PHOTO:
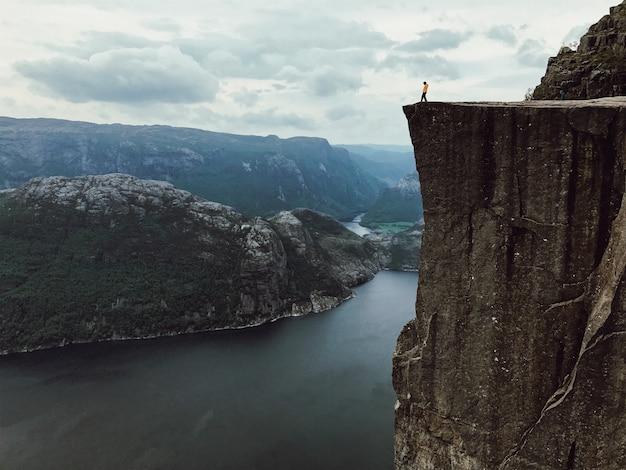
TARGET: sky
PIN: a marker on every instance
(337, 69)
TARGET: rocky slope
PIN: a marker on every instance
(516, 358)
(402, 202)
(398, 251)
(597, 68)
(259, 176)
(112, 256)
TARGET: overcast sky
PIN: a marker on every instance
(339, 69)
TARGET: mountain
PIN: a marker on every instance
(596, 68)
(396, 219)
(402, 203)
(388, 162)
(102, 257)
(256, 175)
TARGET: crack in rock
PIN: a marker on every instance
(600, 291)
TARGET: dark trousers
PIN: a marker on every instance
(424, 97)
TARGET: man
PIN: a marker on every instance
(424, 90)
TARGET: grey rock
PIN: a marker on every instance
(398, 251)
(597, 68)
(516, 356)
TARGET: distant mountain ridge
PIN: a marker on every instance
(388, 162)
(256, 175)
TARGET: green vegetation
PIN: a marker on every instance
(256, 183)
(397, 208)
(393, 227)
(63, 280)
(68, 277)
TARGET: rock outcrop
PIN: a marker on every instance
(112, 256)
(516, 358)
(398, 251)
(597, 68)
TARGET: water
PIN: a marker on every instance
(311, 392)
(356, 227)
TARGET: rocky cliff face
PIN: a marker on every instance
(597, 68)
(112, 256)
(517, 355)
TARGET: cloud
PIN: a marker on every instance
(278, 45)
(291, 50)
(421, 65)
(245, 97)
(533, 53)
(344, 111)
(329, 81)
(504, 33)
(290, 73)
(124, 76)
(572, 38)
(435, 39)
(164, 24)
(89, 43)
(283, 32)
(273, 118)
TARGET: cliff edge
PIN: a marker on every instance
(517, 355)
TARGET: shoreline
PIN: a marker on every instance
(64, 342)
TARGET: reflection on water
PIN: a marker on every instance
(356, 227)
(311, 392)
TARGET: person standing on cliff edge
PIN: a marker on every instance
(424, 91)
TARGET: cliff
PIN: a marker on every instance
(108, 257)
(517, 355)
(597, 67)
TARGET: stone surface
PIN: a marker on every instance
(597, 68)
(398, 251)
(517, 355)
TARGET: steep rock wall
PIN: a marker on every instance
(596, 68)
(517, 355)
